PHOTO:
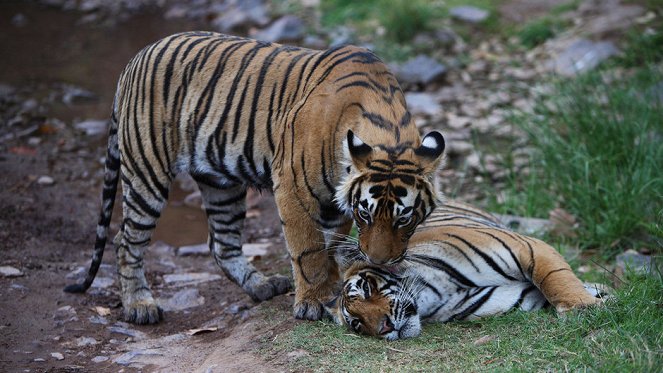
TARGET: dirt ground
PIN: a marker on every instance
(47, 230)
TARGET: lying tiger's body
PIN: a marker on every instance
(318, 128)
(461, 264)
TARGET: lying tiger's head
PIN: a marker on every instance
(377, 303)
(389, 190)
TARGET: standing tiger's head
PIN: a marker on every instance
(389, 191)
(377, 303)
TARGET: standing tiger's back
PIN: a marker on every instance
(236, 112)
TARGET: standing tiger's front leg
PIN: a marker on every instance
(314, 269)
(226, 209)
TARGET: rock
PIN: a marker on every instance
(634, 261)
(236, 308)
(191, 250)
(64, 315)
(57, 356)
(582, 55)
(73, 95)
(457, 122)
(422, 103)
(176, 11)
(127, 358)
(102, 282)
(161, 248)
(243, 15)
(186, 279)
(255, 249)
(19, 20)
(314, 42)
(39, 360)
(483, 340)
(286, 28)
(341, 35)
(297, 354)
(528, 226)
(420, 70)
(459, 148)
(93, 127)
(469, 14)
(45, 180)
(98, 320)
(99, 359)
(86, 341)
(123, 328)
(612, 18)
(182, 300)
(7, 271)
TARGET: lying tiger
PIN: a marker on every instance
(461, 264)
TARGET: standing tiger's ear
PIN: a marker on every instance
(358, 150)
(431, 149)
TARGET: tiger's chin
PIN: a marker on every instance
(408, 328)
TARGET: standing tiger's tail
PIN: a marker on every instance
(111, 177)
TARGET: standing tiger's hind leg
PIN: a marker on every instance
(226, 210)
(141, 205)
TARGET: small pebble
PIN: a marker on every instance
(99, 359)
(8, 271)
(45, 180)
(57, 356)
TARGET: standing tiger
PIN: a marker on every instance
(461, 265)
(327, 131)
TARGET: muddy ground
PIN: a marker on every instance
(47, 229)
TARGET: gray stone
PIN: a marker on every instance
(8, 271)
(123, 328)
(634, 261)
(102, 282)
(236, 308)
(57, 356)
(86, 341)
(341, 35)
(39, 360)
(19, 20)
(459, 148)
(422, 103)
(286, 28)
(182, 300)
(99, 359)
(420, 70)
(244, 14)
(191, 250)
(73, 95)
(64, 315)
(528, 226)
(469, 14)
(255, 249)
(186, 279)
(128, 357)
(98, 320)
(582, 55)
(45, 180)
(93, 127)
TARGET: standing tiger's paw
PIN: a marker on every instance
(144, 311)
(263, 288)
(308, 310)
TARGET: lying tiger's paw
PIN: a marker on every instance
(142, 312)
(264, 288)
(308, 310)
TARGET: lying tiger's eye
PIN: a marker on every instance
(364, 215)
(404, 220)
(354, 324)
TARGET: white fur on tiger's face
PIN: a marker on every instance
(377, 303)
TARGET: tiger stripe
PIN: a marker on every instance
(237, 113)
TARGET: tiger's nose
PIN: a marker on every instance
(387, 326)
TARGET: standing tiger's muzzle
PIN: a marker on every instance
(381, 247)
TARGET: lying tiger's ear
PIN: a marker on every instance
(331, 310)
(430, 151)
(359, 151)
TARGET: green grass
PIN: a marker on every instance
(538, 31)
(622, 336)
(599, 156)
